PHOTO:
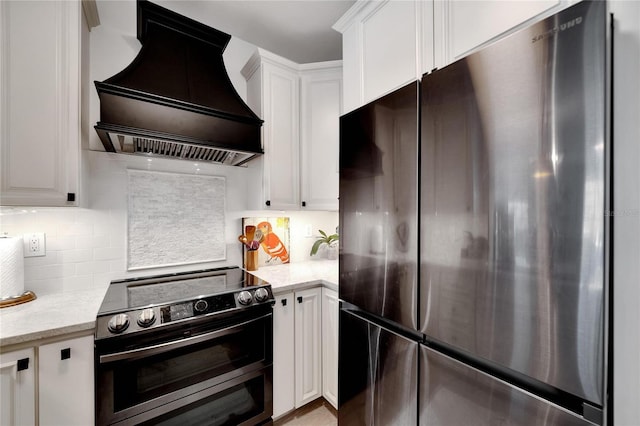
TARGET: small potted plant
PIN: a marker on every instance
(330, 240)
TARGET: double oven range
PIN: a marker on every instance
(190, 348)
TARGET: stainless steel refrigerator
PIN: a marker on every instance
(474, 237)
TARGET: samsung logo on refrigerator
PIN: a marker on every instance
(555, 30)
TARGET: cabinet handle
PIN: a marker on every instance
(268, 202)
(65, 354)
(299, 299)
(23, 364)
(71, 196)
(284, 302)
(304, 204)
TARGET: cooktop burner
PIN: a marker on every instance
(138, 304)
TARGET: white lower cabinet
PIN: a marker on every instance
(18, 383)
(308, 332)
(305, 348)
(283, 368)
(65, 382)
(330, 308)
(65, 386)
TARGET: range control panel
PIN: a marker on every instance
(178, 311)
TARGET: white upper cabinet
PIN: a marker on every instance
(273, 94)
(320, 102)
(383, 48)
(388, 53)
(300, 106)
(386, 44)
(40, 70)
(463, 26)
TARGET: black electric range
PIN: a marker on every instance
(146, 303)
(188, 348)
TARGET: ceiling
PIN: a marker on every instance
(299, 30)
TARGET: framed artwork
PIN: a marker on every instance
(272, 237)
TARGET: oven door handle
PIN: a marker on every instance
(168, 346)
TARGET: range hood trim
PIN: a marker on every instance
(148, 12)
(112, 89)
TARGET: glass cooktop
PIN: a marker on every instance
(123, 295)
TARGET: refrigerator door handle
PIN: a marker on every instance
(384, 324)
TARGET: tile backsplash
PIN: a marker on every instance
(87, 247)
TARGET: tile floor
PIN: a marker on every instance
(316, 413)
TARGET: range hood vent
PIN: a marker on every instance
(184, 151)
(175, 99)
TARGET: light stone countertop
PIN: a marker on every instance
(50, 315)
(300, 275)
(54, 315)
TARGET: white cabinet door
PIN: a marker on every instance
(461, 26)
(282, 139)
(307, 345)
(330, 346)
(40, 45)
(66, 385)
(283, 355)
(302, 348)
(321, 96)
(273, 94)
(17, 388)
(382, 44)
(389, 47)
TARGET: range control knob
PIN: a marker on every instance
(261, 294)
(118, 323)
(201, 305)
(244, 298)
(146, 317)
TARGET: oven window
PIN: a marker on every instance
(230, 407)
(143, 379)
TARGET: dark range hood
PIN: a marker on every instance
(175, 99)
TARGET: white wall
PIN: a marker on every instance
(86, 247)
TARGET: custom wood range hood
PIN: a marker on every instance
(175, 99)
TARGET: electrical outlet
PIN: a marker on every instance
(308, 231)
(34, 244)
